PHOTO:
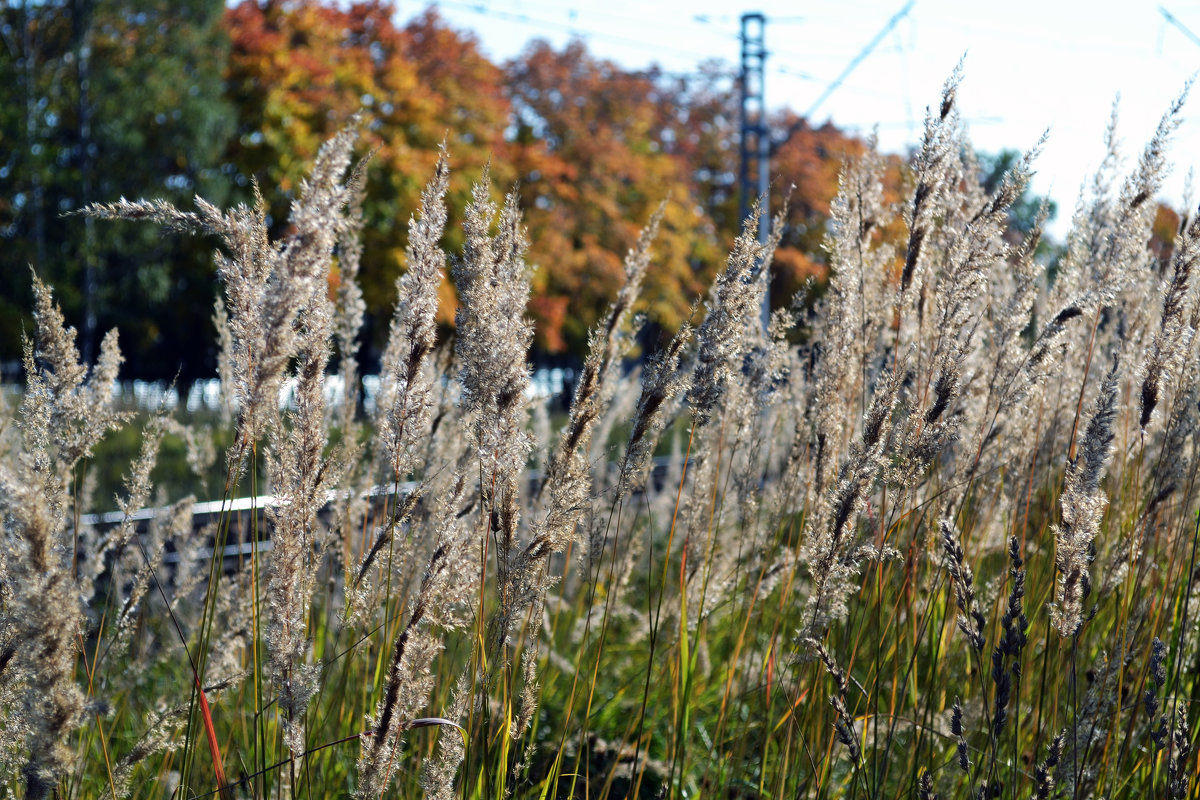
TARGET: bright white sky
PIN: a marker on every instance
(1031, 65)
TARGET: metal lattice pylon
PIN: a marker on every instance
(755, 167)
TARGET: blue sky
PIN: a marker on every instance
(1030, 66)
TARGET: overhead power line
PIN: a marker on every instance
(1171, 18)
(755, 139)
(858, 59)
(572, 28)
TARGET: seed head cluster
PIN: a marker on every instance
(437, 580)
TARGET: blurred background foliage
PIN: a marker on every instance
(112, 98)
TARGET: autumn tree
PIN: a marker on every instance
(169, 100)
(810, 160)
(701, 131)
(301, 70)
(590, 148)
(1168, 224)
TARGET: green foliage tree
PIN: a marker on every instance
(111, 98)
(1024, 212)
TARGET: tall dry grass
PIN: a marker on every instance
(935, 536)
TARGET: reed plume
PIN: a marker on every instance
(1083, 504)
(267, 283)
(66, 411)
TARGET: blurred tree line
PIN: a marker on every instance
(173, 98)
(103, 99)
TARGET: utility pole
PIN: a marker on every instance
(755, 167)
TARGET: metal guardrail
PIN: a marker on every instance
(209, 508)
(207, 511)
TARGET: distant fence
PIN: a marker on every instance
(248, 531)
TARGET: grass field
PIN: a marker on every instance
(934, 536)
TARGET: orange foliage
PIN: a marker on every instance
(593, 169)
(594, 149)
(300, 70)
(1163, 234)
